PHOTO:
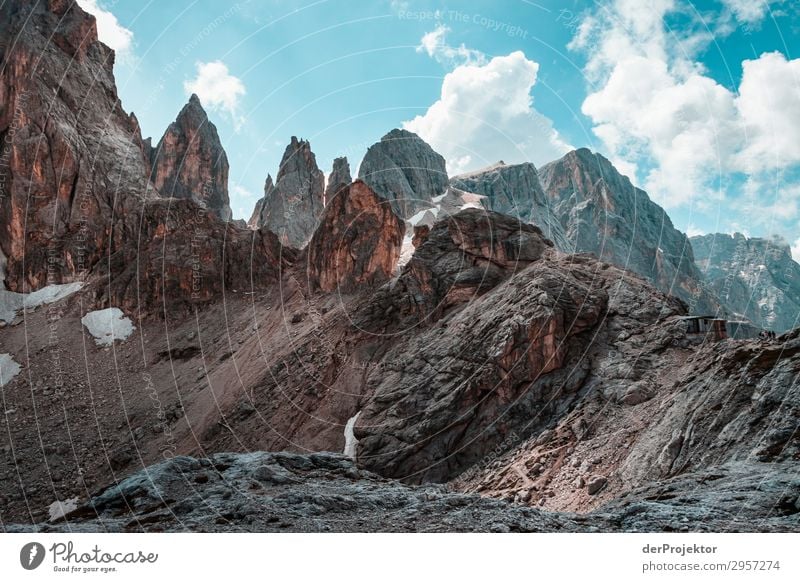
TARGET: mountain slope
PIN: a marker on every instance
(755, 278)
(603, 213)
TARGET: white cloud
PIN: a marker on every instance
(692, 230)
(485, 113)
(435, 45)
(241, 192)
(769, 105)
(749, 11)
(657, 109)
(109, 30)
(217, 88)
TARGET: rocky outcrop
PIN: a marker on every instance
(293, 205)
(515, 190)
(755, 278)
(70, 158)
(405, 170)
(723, 412)
(171, 257)
(502, 327)
(324, 492)
(601, 212)
(189, 161)
(338, 180)
(357, 244)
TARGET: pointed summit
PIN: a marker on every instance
(190, 162)
(404, 169)
(291, 208)
(604, 213)
(339, 179)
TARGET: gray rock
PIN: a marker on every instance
(292, 206)
(515, 190)
(405, 170)
(602, 213)
(755, 278)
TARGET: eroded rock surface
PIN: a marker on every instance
(293, 205)
(357, 244)
(405, 170)
(601, 212)
(756, 278)
(189, 161)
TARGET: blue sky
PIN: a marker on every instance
(699, 103)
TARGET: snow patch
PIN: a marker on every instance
(11, 302)
(417, 218)
(59, 509)
(350, 440)
(406, 252)
(107, 325)
(8, 369)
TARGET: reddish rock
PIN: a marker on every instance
(173, 255)
(71, 158)
(357, 243)
(189, 161)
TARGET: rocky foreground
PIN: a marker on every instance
(323, 492)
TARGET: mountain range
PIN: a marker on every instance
(504, 350)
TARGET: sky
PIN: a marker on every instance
(697, 102)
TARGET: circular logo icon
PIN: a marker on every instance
(31, 555)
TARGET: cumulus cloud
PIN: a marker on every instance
(657, 108)
(434, 43)
(485, 113)
(217, 88)
(109, 30)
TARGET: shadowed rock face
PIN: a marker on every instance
(170, 257)
(189, 161)
(292, 206)
(357, 244)
(71, 157)
(405, 170)
(515, 190)
(338, 180)
(755, 278)
(601, 212)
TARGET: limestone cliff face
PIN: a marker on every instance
(603, 213)
(515, 190)
(756, 278)
(293, 205)
(70, 156)
(338, 179)
(189, 161)
(357, 244)
(405, 170)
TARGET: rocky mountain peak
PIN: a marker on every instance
(292, 207)
(190, 162)
(603, 213)
(756, 278)
(73, 153)
(515, 190)
(338, 178)
(405, 170)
